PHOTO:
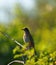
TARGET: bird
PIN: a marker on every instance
(27, 38)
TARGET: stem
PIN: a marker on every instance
(9, 37)
(17, 61)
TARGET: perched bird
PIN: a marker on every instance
(27, 38)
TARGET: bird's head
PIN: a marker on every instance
(26, 29)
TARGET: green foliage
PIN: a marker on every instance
(45, 58)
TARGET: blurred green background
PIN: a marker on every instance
(38, 15)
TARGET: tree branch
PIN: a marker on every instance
(17, 61)
(9, 37)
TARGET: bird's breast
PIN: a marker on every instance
(26, 38)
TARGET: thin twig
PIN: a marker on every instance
(17, 61)
(9, 37)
